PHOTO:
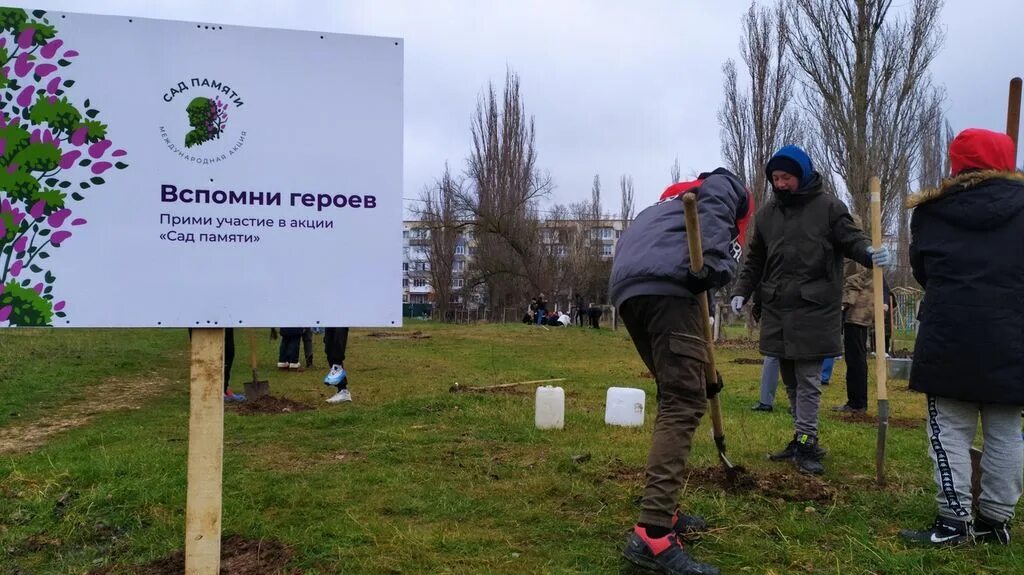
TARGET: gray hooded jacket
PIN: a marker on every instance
(652, 256)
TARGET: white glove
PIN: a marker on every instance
(881, 258)
(737, 303)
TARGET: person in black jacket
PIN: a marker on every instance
(656, 293)
(967, 251)
(795, 261)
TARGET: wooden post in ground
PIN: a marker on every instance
(881, 366)
(205, 453)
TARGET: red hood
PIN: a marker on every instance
(979, 149)
(741, 222)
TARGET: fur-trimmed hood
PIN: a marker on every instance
(975, 199)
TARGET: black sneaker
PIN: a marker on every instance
(688, 527)
(824, 382)
(762, 407)
(990, 531)
(944, 531)
(847, 409)
(808, 456)
(787, 454)
(664, 555)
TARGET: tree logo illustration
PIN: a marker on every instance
(207, 118)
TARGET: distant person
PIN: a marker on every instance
(858, 317)
(594, 313)
(307, 346)
(966, 252)
(335, 345)
(542, 309)
(564, 319)
(579, 312)
(288, 352)
(795, 260)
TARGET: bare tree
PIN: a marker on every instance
(758, 120)
(501, 200)
(627, 207)
(932, 168)
(675, 172)
(440, 216)
(865, 76)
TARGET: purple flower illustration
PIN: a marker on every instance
(62, 148)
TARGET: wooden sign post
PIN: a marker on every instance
(205, 453)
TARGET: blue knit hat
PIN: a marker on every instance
(792, 160)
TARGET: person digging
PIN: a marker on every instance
(795, 261)
(656, 294)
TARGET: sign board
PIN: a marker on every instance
(174, 174)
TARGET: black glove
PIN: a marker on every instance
(715, 388)
(699, 282)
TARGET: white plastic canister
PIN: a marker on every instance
(625, 407)
(550, 407)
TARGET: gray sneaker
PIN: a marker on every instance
(342, 396)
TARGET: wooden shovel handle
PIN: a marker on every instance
(693, 239)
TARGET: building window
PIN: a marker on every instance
(458, 266)
(606, 233)
(419, 282)
(606, 250)
(405, 266)
(405, 234)
(460, 250)
(457, 283)
(405, 282)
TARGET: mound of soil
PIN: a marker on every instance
(238, 556)
(748, 361)
(870, 419)
(398, 335)
(270, 405)
(773, 484)
(741, 343)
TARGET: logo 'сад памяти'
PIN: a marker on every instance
(203, 136)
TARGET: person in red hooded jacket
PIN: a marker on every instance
(967, 251)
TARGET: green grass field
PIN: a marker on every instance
(412, 479)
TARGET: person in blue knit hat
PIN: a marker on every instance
(795, 262)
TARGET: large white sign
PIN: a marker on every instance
(157, 173)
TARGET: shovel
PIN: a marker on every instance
(693, 238)
(256, 388)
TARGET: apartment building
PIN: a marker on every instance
(416, 288)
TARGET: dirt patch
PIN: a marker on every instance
(646, 374)
(112, 395)
(619, 470)
(744, 344)
(869, 419)
(748, 361)
(398, 335)
(238, 556)
(773, 484)
(270, 405)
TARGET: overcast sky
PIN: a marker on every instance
(615, 87)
